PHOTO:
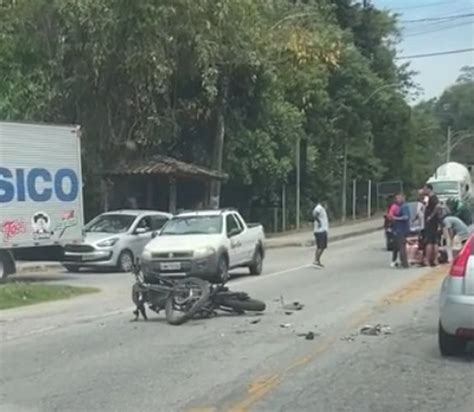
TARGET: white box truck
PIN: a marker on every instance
(40, 192)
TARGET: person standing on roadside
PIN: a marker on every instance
(321, 228)
(432, 223)
(400, 214)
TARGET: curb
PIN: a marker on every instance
(311, 242)
(37, 268)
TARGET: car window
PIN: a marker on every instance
(110, 223)
(145, 223)
(239, 221)
(193, 225)
(158, 221)
(232, 226)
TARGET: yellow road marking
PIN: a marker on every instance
(259, 388)
(416, 288)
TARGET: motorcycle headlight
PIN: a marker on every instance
(204, 252)
(108, 242)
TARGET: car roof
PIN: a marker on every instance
(137, 212)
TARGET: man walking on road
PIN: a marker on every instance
(321, 228)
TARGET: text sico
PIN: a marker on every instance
(38, 185)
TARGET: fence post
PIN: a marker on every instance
(354, 199)
(283, 208)
(369, 199)
(275, 219)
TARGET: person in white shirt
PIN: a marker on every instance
(321, 228)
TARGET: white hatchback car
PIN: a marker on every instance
(456, 323)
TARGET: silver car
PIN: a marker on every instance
(114, 240)
(456, 324)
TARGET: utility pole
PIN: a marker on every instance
(448, 151)
(298, 183)
(344, 184)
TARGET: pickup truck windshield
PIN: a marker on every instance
(193, 225)
(446, 188)
(110, 224)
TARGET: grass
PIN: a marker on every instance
(17, 294)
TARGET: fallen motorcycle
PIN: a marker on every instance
(185, 298)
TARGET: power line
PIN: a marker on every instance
(429, 30)
(451, 17)
(422, 6)
(419, 56)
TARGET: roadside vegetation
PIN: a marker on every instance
(231, 84)
(17, 294)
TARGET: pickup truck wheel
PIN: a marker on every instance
(256, 267)
(222, 275)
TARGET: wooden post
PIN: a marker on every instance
(173, 195)
(149, 194)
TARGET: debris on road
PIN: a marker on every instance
(255, 321)
(293, 306)
(289, 313)
(376, 330)
(349, 338)
(308, 335)
(285, 325)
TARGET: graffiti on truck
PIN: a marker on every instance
(68, 220)
(12, 228)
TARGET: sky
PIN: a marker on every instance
(438, 72)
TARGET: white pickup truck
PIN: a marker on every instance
(206, 244)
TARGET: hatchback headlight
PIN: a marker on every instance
(204, 252)
(108, 242)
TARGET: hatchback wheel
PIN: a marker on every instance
(72, 268)
(125, 261)
(450, 345)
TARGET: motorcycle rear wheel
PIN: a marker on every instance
(183, 303)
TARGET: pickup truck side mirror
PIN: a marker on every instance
(233, 232)
(155, 233)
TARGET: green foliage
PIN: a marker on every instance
(148, 76)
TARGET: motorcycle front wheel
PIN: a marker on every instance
(252, 305)
(186, 300)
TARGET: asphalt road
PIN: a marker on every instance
(86, 354)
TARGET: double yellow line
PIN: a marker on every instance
(259, 388)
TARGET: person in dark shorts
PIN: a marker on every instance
(432, 226)
(321, 227)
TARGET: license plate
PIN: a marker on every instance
(170, 266)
